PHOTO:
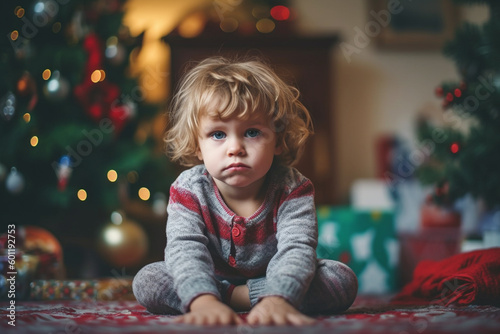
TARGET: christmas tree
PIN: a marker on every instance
(466, 154)
(73, 121)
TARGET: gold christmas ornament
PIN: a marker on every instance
(123, 242)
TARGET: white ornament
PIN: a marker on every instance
(160, 204)
(14, 182)
(8, 105)
(57, 88)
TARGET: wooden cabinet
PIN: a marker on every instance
(303, 62)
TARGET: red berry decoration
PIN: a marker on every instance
(454, 148)
(439, 91)
(457, 92)
(449, 97)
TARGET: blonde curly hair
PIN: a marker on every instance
(225, 88)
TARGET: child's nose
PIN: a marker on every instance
(235, 147)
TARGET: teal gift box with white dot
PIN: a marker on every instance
(364, 240)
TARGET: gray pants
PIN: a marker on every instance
(332, 289)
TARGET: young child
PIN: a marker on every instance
(241, 229)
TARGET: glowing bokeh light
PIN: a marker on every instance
(265, 26)
(112, 175)
(19, 11)
(14, 35)
(144, 193)
(34, 141)
(82, 195)
(97, 75)
(46, 74)
(193, 25)
(132, 176)
(56, 27)
(116, 218)
(280, 13)
(229, 25)
(113, 236)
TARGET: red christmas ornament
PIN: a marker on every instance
(439, 91)
(95, 52)
(280, 13)
(96, 98)
(96, 112)
(454, 148)
(119, 115)
(99, 99)
(449, 97)
(457, 92)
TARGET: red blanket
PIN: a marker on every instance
(467, 278)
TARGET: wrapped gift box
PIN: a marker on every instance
(364, 240)
(86, 290)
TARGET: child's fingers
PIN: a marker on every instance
(193, 319)
(255, 318)
(300, 319)
(178, 319)
(279, 320)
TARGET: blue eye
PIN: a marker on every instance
(252, 133)
(218, 135)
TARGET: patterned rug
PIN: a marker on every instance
(367, 315)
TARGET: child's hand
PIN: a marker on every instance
(277, 311)
(208, 310)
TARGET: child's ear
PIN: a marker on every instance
(198, 154)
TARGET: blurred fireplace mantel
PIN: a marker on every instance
(304, 62)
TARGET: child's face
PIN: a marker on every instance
(236, 152)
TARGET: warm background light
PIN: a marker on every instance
(193, 25)
(157, 18)
(97, 75)
(34, 141)
(229, 25)
(14, 35)
(144, 193)
(280, 13)
(112, 175)
(46, 74)
(56, 27)
(265, 26)
(82, 195)
(132, 177)
(19, 11)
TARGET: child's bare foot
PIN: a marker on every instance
(240, 299)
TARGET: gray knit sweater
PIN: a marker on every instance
(206, 241)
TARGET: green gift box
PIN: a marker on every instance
(364, 240)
